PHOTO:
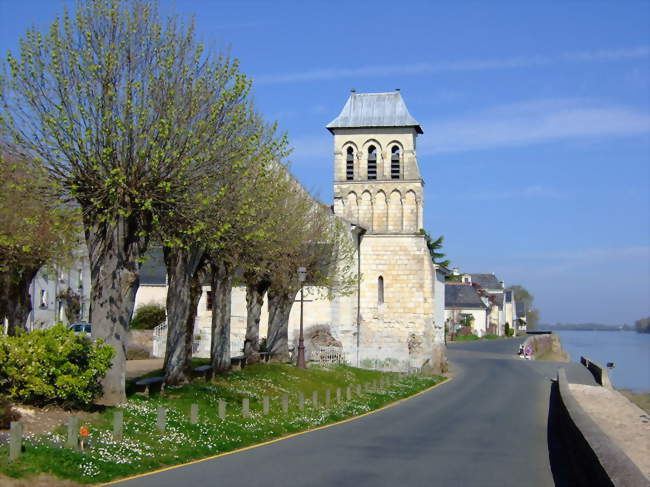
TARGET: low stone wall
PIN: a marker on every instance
(546, 343)
(140, 342)
(594, 457)
(598, 371)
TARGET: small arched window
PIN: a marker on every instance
(380, 290)
(395, 171)
(372, 162)
(349, 164)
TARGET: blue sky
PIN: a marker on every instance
(536, 118)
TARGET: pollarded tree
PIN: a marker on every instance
(225, 207)
(246, 248)
(36, 229)
(321, 243)
(120, 106)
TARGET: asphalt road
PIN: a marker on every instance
(486, 427)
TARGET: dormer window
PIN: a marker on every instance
(395, 172)
(372, 162)
(349, 164)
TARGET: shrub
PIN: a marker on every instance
(148, 316)
(7, 414)
(53, 366)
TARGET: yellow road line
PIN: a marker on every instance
(282, 438)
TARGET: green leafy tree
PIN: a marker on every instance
(522, 295)
(434, 247)
(36, 229)
(231, 200)
(322, 244)
(127, 112)
(251, 203)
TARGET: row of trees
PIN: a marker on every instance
(152, 140)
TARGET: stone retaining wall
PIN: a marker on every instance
(594, 457)
(598, 371)
(545, 343)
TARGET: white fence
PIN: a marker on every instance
(328, 355)
(159, 340)
(200, 342)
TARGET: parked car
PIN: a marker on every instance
(80, 328)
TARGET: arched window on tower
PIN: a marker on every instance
(349, 164)
(380, 290)
(395, 172)
(372, 162)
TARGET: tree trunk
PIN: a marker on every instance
(114, 251)
(15, 300)
(255, 290)
(221, 284)
(184, 276)
(280, 303)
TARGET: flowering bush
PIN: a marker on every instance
(52, 366)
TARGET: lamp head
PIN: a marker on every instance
(302, 274)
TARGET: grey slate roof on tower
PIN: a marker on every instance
(462, 296)
(487, 281)
(374, 110)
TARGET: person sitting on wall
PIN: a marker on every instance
(529, 353)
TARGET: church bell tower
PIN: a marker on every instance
(378, 187)
(377, 182)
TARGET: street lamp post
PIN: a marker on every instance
(302, 275)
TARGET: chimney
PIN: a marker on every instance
(353, 91)
(455, 271)
(502, 283)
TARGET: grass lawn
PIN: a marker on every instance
(143, 448)
(466, 338)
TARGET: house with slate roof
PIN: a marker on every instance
(462, 300)
(493, 288)
(509, 308)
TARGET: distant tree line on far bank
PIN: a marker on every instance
(640, 326)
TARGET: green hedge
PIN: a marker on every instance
(53, 366)
(148, 316)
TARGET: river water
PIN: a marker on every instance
(630, 352)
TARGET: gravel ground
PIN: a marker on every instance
(624, 422)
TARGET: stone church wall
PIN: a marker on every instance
(400, 331)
